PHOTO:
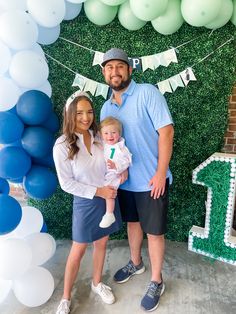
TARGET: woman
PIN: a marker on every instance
(80, 166)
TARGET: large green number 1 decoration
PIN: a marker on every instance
(216, 240)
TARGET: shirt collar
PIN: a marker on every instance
(129, 91)
(81, 137)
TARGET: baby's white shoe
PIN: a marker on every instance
(107, 220)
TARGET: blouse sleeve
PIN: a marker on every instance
(65, 174)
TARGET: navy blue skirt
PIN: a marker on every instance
(87, 214)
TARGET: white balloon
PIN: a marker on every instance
(35, 287)
(13, 5)
(31, 222)
(5, 287)
(48, 35)
(47, 13)
(72, 10)
(18, 30)
(43, 247)
(46, 88)
(5, 58)
(29, 69)
(9, 93)
(15, 258)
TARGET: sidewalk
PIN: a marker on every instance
(194, 284)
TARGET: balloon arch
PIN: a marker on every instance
(28, 122)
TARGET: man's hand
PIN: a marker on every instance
(158, 184)
(123, 176)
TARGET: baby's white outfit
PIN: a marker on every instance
(121, 156)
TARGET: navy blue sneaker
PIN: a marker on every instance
(123, 274)
(151, 299)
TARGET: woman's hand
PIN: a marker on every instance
(106, 192)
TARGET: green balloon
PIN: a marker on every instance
(233, 17)
(99, 13)
(127, 18)
(223, 17)
(171, 21)
(113, 2)
(200, 12)
(148, 10)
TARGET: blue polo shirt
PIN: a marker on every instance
(143, 111)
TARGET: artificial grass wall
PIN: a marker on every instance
(199, 110)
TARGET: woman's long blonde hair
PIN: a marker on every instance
(69, 124)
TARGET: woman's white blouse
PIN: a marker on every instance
(82, 175)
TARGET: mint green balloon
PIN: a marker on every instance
(233, 17)
(171, 20)
(200, 12)
(99, 13)
(113, 2)
(127, 18)
(148, 10)
(223, 17)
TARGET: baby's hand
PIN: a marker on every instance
(111, 164)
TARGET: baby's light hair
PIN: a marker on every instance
(111, 121)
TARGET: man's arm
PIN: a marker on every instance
(165, 146)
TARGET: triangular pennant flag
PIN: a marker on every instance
(169, 56)
(147, 63)
(164, 86)
(156, 60)
(187, 75)
(98, 58)
(102, 90)
(175, 81)
(79, 81)
(90, 86)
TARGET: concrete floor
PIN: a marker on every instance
(194, 284)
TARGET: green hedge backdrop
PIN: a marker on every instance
(199, 110)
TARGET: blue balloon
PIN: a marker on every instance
(10, 213)
(37, 141)
(52, 124)
(12, 110)
(16, 180)
(11, 127)
(14, 162)
(15, 144)
(46, 161)
(40, 182)
(44, 228)
(4, 186)
(34, 107)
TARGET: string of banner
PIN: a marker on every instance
(152, 62)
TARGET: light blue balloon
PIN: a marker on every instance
(48, 35)
(72, 10)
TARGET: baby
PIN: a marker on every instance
(118, 159)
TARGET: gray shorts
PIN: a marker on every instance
(141, 207)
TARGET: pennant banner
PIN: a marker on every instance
(87, 85)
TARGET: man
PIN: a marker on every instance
(143, 198)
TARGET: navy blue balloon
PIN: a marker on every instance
(46, 161)
(10, 213)
(4, 187)
(52, 124)
(37, 141)
(14, 162)
(40, 182)
(34, 107)
(11, 127)
(44, 228)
